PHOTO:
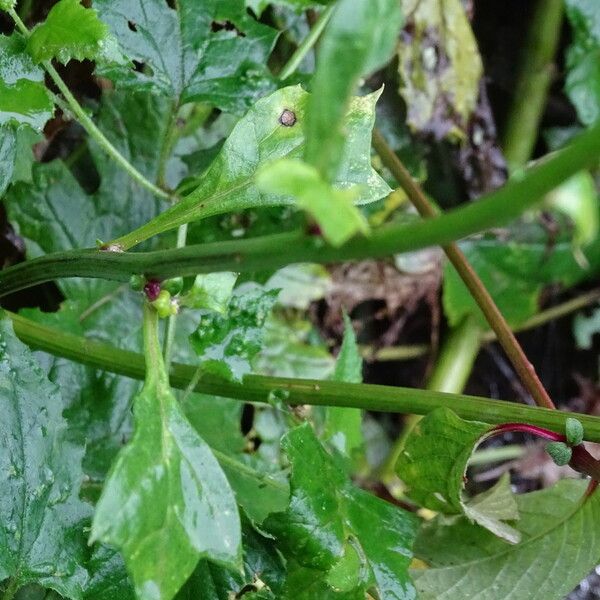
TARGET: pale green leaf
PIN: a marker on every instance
(261, 136)
(439, 67)
(8, 146)
(301, 284)
(166, 502)
(359, 38)
(211, 292)
(332, 209)
(559, 547)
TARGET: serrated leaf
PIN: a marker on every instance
(24, 99)
(69, 31)
(560, 546)
(359, 38)
(210, 51)
(210, 292)
(227, 344)
(439, 67)
(327, 514)
(166, 502)
(42, 533)
(433, 464)
(343, 425)
(332, 209)
(583, 59)
(229, 183)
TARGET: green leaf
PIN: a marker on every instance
(332, 209)
(327, 515)
(260, 487)
(559, 548)
(433, 465)
(343, 425)
(258, 6)
(228, 184)
(210, 292)
(166, 502)
(439, 67)
(584, 327)
(301, 284)
(69, 31)
(583, 59)
(288, 351)
(8, 146)
(517, 267)
(227, 344)
(210, 51)
(359, 38)
(42, 536)
(24, 99)
(108, 579)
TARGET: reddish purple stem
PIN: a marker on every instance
(525, 428)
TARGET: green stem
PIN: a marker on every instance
(172, 320)
(271, 252)
(154, 365)
(534, 79)
(257, 388)
(478, 291)
(451, 373)
(308, 42)
(88, 124)
(489, 455)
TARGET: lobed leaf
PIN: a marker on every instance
(210, 51)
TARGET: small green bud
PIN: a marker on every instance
(164, 305)
(574, 431)
(173, 286)
(559, 452)
(7, 4)
(137, 282)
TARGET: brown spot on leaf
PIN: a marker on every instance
(288, 118)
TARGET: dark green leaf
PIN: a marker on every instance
(108, 579)
(560, 546)
(328, 518)
(212, 51)
(69, 31)
(227, 344)
(439, 67)
(433, 465)
(583, 59)
(42, 518)
(166, 502)
(259, 137)
(24, 99)
(359, 38)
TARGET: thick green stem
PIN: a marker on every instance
(256, 388)
(309, 41)
(451, 373)
(271, 252)
(534, 79)
(89, 125)
(478, 291)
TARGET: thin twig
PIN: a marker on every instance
(517, 357)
